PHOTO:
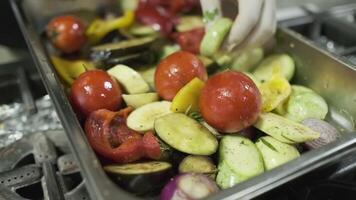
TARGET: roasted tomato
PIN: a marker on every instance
(94, 90)
(230, 101)
(190, 40)
(175, 71)
(110, 137)
(158, 18)
(66, 33)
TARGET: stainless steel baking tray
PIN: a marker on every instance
(316, 68)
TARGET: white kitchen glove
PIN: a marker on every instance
(255, 21)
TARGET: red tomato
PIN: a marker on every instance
(94, 90)
(151, 146)
(156, 17)
(175, 71)
(230, 101)
(190, 40)
(110, 137)
(66, 33)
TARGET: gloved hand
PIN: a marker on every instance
(254, 24)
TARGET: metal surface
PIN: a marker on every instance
(316, 68)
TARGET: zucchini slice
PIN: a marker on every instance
(142, 119)
(285, 130)
(129, 79)
(240, 159)
(138, 100)
(185, 134)
(141, 178)
(274, 152)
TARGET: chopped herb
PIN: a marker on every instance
(196, 116)
(210, 15)
(268, 145)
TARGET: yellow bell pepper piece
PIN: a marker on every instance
(275, 90)
(187, 98)
(99, 28)
(69, 70)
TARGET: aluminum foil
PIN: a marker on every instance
(15, 121)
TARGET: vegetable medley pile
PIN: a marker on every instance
(158, 101)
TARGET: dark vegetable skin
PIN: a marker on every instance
(94, 90)
(145, 184)
(190, 40)
(110, 137)
(66, 33)
(175, 71)
(230, 102)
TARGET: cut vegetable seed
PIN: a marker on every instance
(214, 37)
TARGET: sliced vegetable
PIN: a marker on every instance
(185, 134)
(253, 78)
(304, 103)
(189, 187)
(264, 70)
(141, 178)
(274, 152)
(69, 70)
(215, 36)
(328, 133)
(242, 159)
(274, 91)
(248, 60)
(169, 49)
(285, 130)
(198, 164)
(142, 30)
(187, 98)
(122, 48)
(99, 28)
(148, 74)
(143, 118)
(132, 81)
(138, 100)
(189, 22)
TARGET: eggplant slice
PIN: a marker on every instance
(146, 178)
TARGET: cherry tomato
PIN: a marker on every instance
(110, 137)
(190, 40)
(230, 101)
(156, 17)
(66, 33)
(175, 71)
(94, 90)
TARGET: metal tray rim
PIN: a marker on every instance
(99, 185)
